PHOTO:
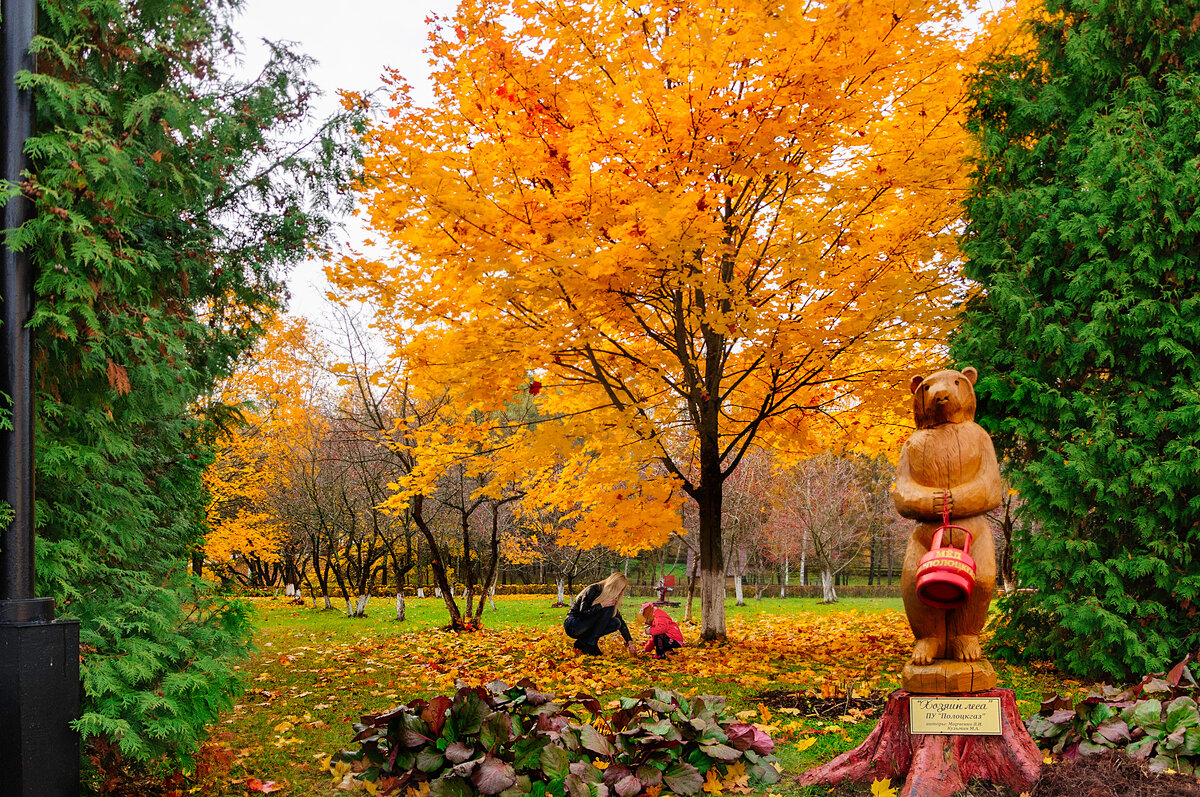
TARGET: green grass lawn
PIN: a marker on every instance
(315, 671)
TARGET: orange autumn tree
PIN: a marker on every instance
(684, 225)
(273, 390)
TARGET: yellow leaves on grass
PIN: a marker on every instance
(737, 779)
(808, 651)
(734, 780)
(326, 685)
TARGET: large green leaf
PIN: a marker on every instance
(592, 739)
(555, 762)
(683, 778)
(1145, 714)
(1182, 713)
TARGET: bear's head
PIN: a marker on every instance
(944, 397)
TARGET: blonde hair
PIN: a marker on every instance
(611, 588)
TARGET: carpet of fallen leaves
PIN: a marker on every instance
(307, 685)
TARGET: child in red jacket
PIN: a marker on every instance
(664, 632)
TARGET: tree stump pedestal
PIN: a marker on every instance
(937, 765)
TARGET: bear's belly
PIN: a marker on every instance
(944, 456)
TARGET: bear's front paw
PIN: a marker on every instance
(966, 648)
(926, 650)
(942, 503)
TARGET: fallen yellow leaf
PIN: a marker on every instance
(883, 788)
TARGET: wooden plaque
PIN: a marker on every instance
(955, 716)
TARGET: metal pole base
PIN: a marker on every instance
(39, 697)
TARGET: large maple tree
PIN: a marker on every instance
(695, 225)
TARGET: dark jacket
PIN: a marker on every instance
(585, 610)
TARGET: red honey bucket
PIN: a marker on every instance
(945, 575)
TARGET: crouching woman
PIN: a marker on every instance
(595, 613)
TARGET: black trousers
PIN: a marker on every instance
(664, 643)
(587, 630)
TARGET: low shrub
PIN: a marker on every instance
(1157, 720)
(519, 741)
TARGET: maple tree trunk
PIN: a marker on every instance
(439, 569)
(712, 561)
(937, 765)
(784, 580)
(559, 583)
(692, 579)
(737, 589)
(488, 587)
(399, 606)
(468, 568)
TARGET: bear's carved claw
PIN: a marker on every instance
(925, 651)
(966, 648)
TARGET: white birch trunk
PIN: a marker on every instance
(804, 558)
(828, 594)
(561, 586)
(400, 607)
(737, 589)
(786, 576)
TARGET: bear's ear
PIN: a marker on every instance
(971, 374)
(915, 383)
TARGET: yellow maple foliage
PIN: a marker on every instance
(273, 390)
(687, 228)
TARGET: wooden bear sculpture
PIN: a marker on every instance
(949, 462)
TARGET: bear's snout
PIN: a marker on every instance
(940, 394)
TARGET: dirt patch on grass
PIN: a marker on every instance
(1111, 775)
(811, 706)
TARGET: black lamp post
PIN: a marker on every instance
(39, 655)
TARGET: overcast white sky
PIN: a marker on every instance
(352, 41)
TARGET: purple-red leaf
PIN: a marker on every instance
(493, 776)
(434, 714)
(628, 786)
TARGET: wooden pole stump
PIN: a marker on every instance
(937, 765)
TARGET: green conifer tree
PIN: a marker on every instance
(170, 199)
(1083, 235)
